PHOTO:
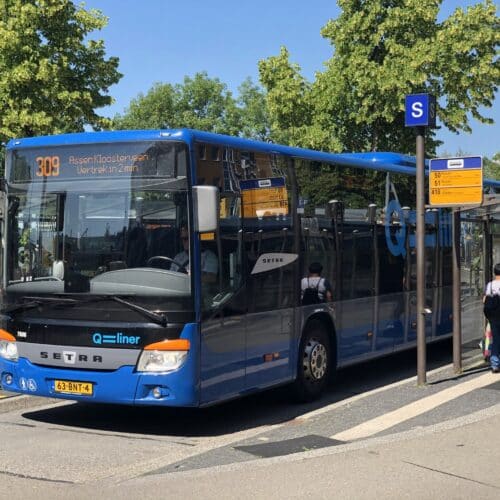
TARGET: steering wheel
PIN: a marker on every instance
(160, 261)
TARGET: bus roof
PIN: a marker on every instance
(387, 161)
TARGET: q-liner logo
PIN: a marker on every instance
(396, 247)
(115, 339)
(396, 239)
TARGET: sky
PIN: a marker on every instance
(165, 40)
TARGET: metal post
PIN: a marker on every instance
(457, 312)
(335, 208)
(407, 274)
(420, 250)
(372, 219)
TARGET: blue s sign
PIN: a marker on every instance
(420, 110)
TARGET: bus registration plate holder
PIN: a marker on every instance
(73, 387)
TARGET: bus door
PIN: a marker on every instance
(372, 307)
(271, 275)
(356, 312)
(223, 353)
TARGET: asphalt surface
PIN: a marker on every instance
(375, 433)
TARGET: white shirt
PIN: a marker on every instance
(209, 262)
(315, 282)
(493, 288)
(58, 269)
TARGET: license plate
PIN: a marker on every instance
(73, 387)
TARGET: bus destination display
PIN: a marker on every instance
(98, 161)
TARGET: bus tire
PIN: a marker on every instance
(314, 362)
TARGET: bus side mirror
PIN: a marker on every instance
(206, 208)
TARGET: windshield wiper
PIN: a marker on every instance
(158, 318)
(37, 301)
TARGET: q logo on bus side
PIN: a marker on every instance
(395, 242)
(396, 239)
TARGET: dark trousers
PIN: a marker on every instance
(495, 347)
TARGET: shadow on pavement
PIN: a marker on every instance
(266, 408)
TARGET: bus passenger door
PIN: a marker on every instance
(271, 268)
(223, 353)
(223, 350)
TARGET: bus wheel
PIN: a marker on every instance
(314, 363)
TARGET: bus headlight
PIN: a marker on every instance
(163, 356)
(8, 346)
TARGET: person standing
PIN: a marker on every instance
(314, 288)
(493, 288)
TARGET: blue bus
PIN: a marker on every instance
(164, 267)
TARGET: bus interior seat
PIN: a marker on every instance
(136, 247)
(162, 242)
(114, 265)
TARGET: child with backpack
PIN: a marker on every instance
(314, 288)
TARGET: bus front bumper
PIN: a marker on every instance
(121, 386)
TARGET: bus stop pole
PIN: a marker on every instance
(457, 312)
(420, 250)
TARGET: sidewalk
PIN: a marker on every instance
(452, 460)
(455, 457)
(456, 462)
(389, 442)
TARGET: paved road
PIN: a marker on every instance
(375, 419)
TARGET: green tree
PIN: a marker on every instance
(206, 103)
(53, 77)
(384, 50)
(200, 102)
(156, 109)
(288, 98)
(492, 167)
(252, 107)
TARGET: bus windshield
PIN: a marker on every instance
(97, 235)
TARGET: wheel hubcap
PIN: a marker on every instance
(315, 360)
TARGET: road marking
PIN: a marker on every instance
(388, 420)
(352, 399)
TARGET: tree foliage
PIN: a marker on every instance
(288, 98)
(201, 103)
(384, 50)
(52, 76)
(253, 111)
(492, 167)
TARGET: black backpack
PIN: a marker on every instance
(491, 307)
(311, 294)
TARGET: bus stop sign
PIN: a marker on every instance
(456, 181)
(420, 110)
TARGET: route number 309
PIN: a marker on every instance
(48, 166)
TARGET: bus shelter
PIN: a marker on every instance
(479, 251)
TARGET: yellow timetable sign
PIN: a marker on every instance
(456, 181)
(454, 178)
(264, 197)
(455, 196)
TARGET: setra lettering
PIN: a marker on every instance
(82, 358)
(272, 260)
